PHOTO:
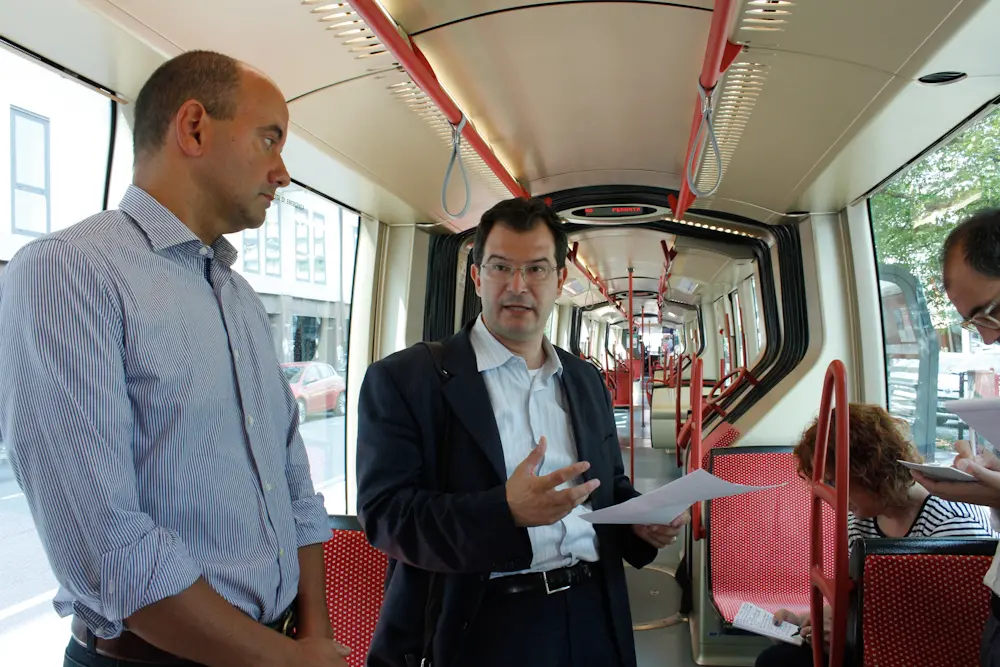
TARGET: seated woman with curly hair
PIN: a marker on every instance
(884, 501)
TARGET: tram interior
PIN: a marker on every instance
(755, 289)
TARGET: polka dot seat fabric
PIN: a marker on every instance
(922, 602)
(355, 578)
(758, 542)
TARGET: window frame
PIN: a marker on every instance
(15, 187)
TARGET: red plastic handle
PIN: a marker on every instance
(837, 588)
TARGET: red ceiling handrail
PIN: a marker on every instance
(719, 55)
(837, 588)
(595, 280)
(661, 292)
(413, 61)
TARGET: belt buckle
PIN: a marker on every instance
(287, 623)
(548, 589)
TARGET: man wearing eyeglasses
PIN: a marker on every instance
(479, 468)
(971, 263)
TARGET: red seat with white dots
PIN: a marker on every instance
(922, 602)
(355, 582)
(722, 436)
(758, 542)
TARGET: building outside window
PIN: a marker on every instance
(29, 178)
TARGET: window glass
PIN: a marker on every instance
(756, 313)
(930, 359)
(54, 154)
(53, 165)
(309, 310)
(585, 332)
(737, 328)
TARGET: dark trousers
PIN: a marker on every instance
(571, 628)
(786, 655)
(989, 650)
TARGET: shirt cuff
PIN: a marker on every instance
(158, 566)
(312, 525)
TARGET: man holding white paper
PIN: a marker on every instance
(477, 460)
(971, 263)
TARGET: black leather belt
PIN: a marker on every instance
(549, 582)
(129, 647)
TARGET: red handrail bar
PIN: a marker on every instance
(743, 375)
(694, 457)
(837, 588)
(719, 55)
(631, 383)
(411, 59)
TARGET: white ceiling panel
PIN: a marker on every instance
(363, 123)
(283, 38)
(577, 88)
(416, 17)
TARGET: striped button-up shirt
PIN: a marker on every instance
(528, 405)
(148, 420)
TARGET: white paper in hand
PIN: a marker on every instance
(982, 414)
(668, 502)
(941, 473)
(754, 619)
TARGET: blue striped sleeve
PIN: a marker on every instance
(312, 525)
(65, 410)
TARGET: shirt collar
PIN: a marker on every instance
(491, 353)
(164, 229)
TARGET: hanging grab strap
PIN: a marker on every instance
(456, 156)
(707, 127)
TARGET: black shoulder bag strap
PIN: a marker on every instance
(435, 586)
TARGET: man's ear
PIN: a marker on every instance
(189, 128)
(476, 279)
(562, 273)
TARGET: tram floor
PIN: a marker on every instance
(662, 635)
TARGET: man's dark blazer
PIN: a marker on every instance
(468, 532)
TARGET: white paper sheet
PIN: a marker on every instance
(668, 502)
(982, 414)
(754, 619)
(943, 473)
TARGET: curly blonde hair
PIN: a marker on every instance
(877, 441)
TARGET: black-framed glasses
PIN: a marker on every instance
(533, 274)
(984, 318)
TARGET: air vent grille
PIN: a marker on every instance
(744, 82)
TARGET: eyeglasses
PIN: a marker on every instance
(504, 273)
(984, 318)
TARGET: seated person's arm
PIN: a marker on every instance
(66, 413)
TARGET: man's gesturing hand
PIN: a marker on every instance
(534, 501)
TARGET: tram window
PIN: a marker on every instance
(54, 158)
(53, 165)
(756, 313)
(309, 310)
(930, 359)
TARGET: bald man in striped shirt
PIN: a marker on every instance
(148, 420)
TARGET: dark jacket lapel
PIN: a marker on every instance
(466, 393)
(584, 433)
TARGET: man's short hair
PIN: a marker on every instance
(210, 78)
(521, 215)
(979, 238)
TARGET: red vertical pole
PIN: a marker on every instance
(631, 385)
